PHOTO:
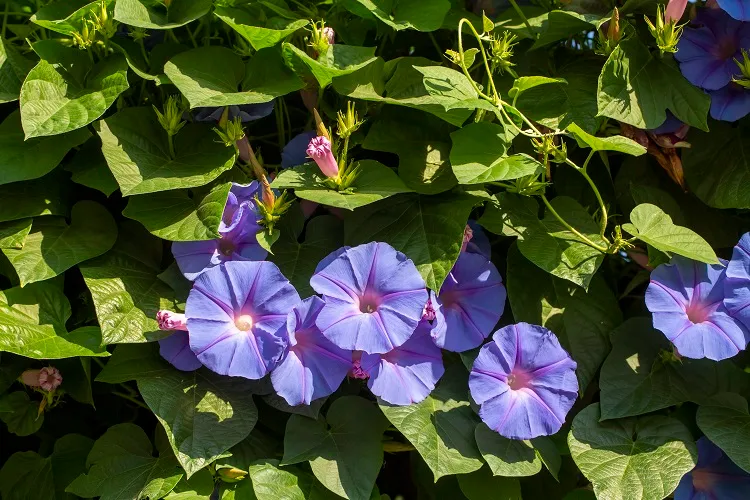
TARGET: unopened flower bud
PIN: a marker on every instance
(329, 35)
(666, 32)
(319, 150)
(357, 371)
(744, 66)
(169, 320)
(48, 378)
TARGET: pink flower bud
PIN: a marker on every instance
(319, 150)
(169, 320)
(357, 371)
(30, 378)
(329, 35)
(674, 10)
(468, 235)
(50, 378)
(429, 312)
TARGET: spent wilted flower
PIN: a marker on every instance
(47, 378)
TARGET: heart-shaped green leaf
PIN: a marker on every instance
(441, 427)
(126, 289)
(155, 15)
(725, 423)
(33, 158)
(53, 246)
(32, 324)
(339, 60)
(374, 182)
(273, 31)
(478, 155)
(631, 459)
(137, 151)
(216, 76)
(615, 143)
(204, 414)
(48, 195)
(181, 215)
(65, 91)
(67, 16)
(403, 14)
(651, 225)
(507, 457)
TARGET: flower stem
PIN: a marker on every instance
(484, 56)
(602, 206)
(584, 239)
(170, 139)
(131, 399)
(523, 17)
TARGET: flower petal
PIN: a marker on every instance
(176, 350)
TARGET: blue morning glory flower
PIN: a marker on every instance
(715, 477)
(686, 299)
(237, 317)
(737, 283)
(374, 297)
(313, 367)
(524, 382)
(730, 103)
(475, 240)
(237, 236)
(470, 303)
(738, 9)
(707, 53)
(295, 151)
(408, 373)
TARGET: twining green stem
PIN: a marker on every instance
(484, 58)
(584, 239)
(131, 399)
(192, 37)
(523, 17)
(602, 206)
(5, 18)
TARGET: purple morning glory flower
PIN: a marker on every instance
(408, 373)
(730, 103)
(246, 112)
(470, 303)
(476, 240)
(707, 53)
(176, 347)
(295, 151)
(737, 283)
(738, 9)
(715, 477)
(237, 240)
(374, 297)
(236, 315)
(313, 367)
(686, 300)
(524, 382)
(176, 350)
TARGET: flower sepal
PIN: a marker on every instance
(666, 31)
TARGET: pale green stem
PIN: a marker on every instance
(584, 239)
(599, 199)
(523, 17)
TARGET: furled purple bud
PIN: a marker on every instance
(169, 320)
(48, 378)
(357, 371)
(330, 35)
(319, 150)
